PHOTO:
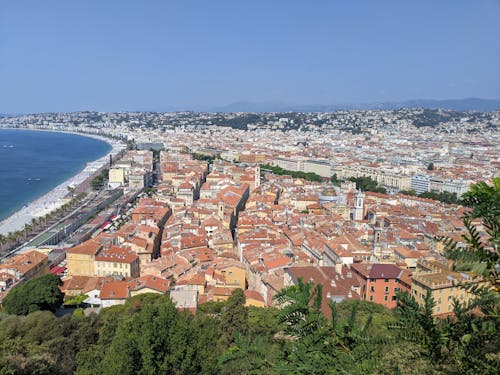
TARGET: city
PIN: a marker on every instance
(266, 187)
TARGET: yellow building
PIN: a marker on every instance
(442, 282)
(233, 274)
(149, 284)
(80, 259)
(254, 298)
(116, 177)
(94, 259)
(116, 261)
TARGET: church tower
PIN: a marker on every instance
(257, 176)
(358, 205)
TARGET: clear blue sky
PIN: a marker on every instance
(123, 55)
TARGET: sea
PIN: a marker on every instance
(34, 162)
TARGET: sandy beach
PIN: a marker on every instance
(56, 197)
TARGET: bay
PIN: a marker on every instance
(34, 162)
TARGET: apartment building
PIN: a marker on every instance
(443, 284)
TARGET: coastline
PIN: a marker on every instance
(55, 198)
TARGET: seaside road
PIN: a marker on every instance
(18, 249)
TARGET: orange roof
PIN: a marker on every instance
(117, 255)
(149, 281)
(115, 290)
(24, 262)
(253, 294)
(90, 247)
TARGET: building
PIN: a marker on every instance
(149, 284)
(254, 298)
(116, 177)
(92, 258)
(80, 259)
(24, 266)
(337, 286)
(358, 212)
(116, 261)
(185, 299)
(320, 167)
(114, 293)
(138, 180)
(420, 183)
(381, 282)
(396, 178)
(438, 279)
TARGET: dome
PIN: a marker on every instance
(329, 192)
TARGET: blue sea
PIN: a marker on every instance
(34, 162)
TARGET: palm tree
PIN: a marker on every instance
(3, 241)
(27, 228)
(11, 236)
(34, 222)
(18, 234)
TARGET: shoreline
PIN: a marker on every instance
(56, 197)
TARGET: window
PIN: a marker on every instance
(373, 280)
(396, 289)
(371, 298)
(438, 309)
(386, 289)
(386, 280)
(372, 289)
(393, 298)
(385, 298)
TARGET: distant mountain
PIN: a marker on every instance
(468, 104)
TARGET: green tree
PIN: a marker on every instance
(300, 308)
(408, 192)
(367, 184)
(234, 318)
(41, 293)
(248, 355)
(334, 180)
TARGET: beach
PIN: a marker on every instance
(56, 197)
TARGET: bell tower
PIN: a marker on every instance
(358, 205)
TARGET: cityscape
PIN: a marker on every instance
(345, 241)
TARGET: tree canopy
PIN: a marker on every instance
(41, 293)
(309, 176)
(367, 184)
